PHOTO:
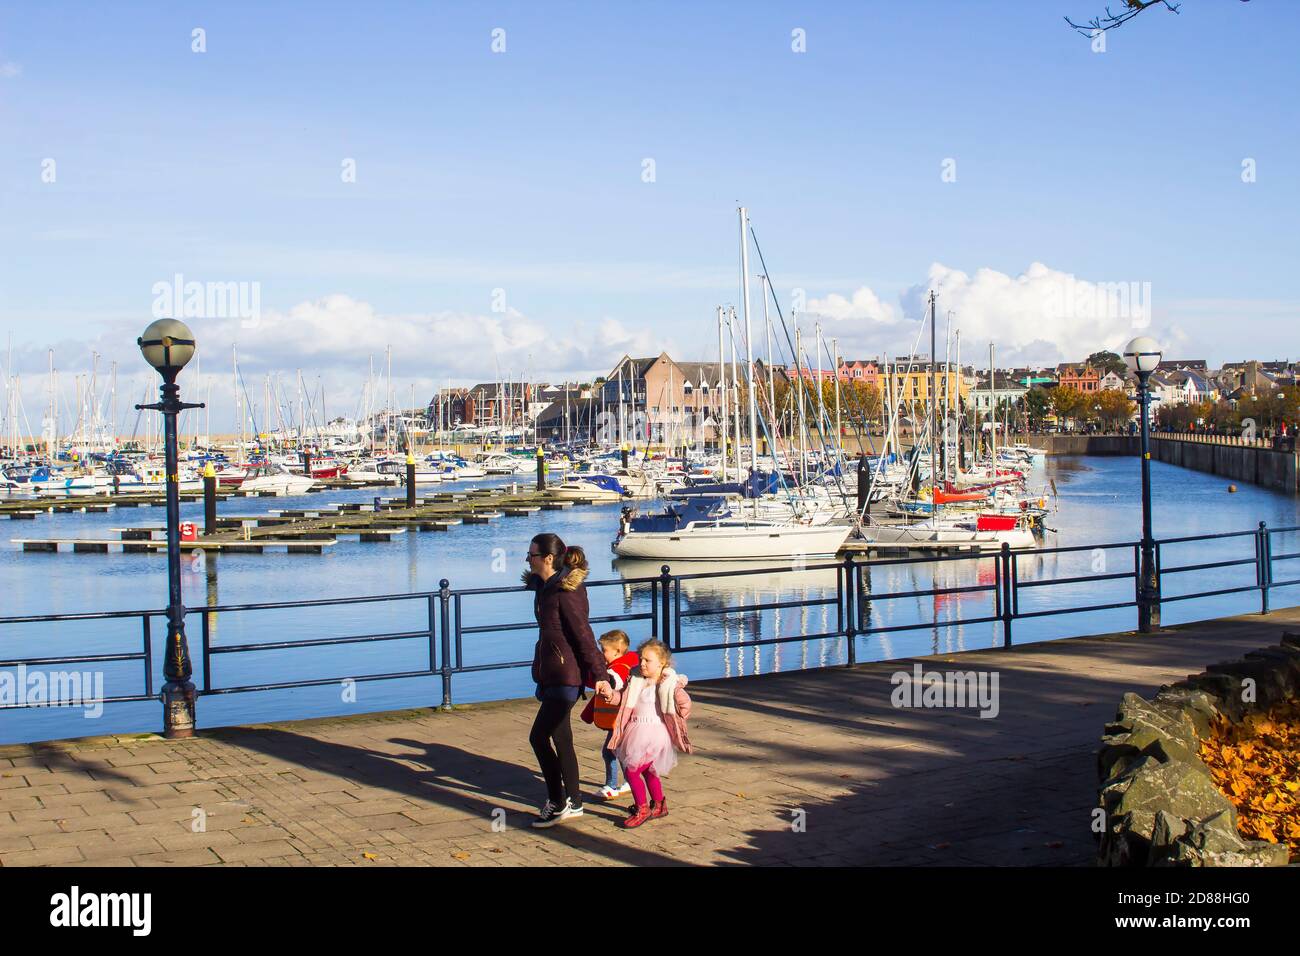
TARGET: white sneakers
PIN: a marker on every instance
(609, 793)
(552, 813)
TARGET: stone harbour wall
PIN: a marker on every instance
(1160, 805)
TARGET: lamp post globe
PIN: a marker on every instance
(1142, 356)
(168, 345)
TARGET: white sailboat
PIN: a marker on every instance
(704, 528)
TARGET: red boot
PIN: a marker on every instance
(658, 808)
(635, 820)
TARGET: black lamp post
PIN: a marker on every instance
(1142, 356)
(168, 345)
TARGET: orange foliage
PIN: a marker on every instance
(1256, 765)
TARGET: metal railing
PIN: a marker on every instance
(447, 623)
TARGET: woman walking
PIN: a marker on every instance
(566, 658)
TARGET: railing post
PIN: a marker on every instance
(1008, 590)
(654, 607)
(676, 642)
(432, 618)
(444, 597)
(850, 614)
(1263, 565)
(205, 632)
(148, 658)
(665, 615)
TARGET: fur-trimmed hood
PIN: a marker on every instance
(569, 579)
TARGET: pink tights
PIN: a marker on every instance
(639, 786)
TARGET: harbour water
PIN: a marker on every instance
(1097, 503)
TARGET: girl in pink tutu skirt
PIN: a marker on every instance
(650, 728)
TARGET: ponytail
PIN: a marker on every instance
(575, 557)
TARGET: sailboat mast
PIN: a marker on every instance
(771, 382)
(821, 388)
(956, 405)
(839, 448)
(947, 394)
(749, 349)
(934, 406)
(722, 389)
(993, 412)
(798, 379)
(735, 386)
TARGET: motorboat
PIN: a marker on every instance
(604, 486)
(396, 469)
(367, 471)
(149, 477)
(276, 479)
(80, 481)
(500, 464)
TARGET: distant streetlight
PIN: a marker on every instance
(168, 345)
(1142, 356)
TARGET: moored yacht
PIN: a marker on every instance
(700, 528)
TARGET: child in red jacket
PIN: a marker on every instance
(614, 645)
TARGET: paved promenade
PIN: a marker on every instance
(873, 784)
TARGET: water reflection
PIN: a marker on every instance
(727, 606)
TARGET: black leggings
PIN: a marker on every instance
(559, 762)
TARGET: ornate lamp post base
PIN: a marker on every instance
(178, 709)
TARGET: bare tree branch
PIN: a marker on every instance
(1111, 20)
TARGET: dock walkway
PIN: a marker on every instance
(872, 784)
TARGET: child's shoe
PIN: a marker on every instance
(609, 793)
(635, 820)
(658, 808)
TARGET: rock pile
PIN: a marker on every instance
(1160, 805)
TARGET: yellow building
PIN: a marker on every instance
(913, 384)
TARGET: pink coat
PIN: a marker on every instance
(673, 707)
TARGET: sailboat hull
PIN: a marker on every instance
(734, 540)
(924, 535)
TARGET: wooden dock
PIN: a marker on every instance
(60, 504)
(127, 545)
(311, 530)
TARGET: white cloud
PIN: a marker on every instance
(1041, 315)
(863, 306)
(10, 69)
(332, 339)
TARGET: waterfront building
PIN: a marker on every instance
(1081, 378)
(667, 395)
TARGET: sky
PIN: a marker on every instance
(507, 190)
